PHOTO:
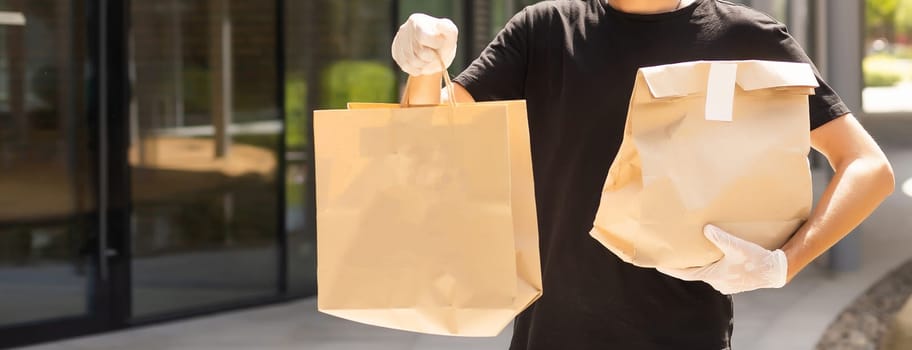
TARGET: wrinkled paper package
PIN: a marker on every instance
(426, 216)
(709, 142)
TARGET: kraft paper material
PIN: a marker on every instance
(709, 142)
(426, 217)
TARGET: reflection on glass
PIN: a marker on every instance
(204, 137)
(336, 52)
(47, 201)
(887, 64)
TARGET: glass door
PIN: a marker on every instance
(205, 144)
(142, 161)
(49, 209)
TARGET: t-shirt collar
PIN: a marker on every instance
(687, 9)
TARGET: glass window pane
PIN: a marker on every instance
(887, 63)
(47, 197)
(336, 52)
(204, 136)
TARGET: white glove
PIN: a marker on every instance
(746, 266)
(420, 39)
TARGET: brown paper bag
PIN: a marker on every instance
(709, 142)
(426, 216)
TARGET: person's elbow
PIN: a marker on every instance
(879, 173)
(883, 174)
(853, 152)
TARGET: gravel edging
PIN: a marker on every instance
(865, 322)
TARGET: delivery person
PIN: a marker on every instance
(575, 62)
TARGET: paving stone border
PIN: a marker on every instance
(865, 322)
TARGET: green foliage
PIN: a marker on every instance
(296, 112)
(890, 18)
(357, 81)
(883, 70)
(880, 12)
(881, 78)
(197, 90)
(904, 17)
(197, 86)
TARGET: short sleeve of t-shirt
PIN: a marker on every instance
(777, 44)
(499, 73)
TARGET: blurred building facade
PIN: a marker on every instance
(155, 159)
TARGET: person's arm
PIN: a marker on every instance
(424, 47)
(499, 72)
(863, 179)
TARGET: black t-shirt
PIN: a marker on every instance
(575, 62)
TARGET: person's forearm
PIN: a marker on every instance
(856, 189)
(424, 89)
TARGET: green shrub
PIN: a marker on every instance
(296, 112)
(357, 81)
(875, 78)
(196, 89)
(197, 86)
(883, 70)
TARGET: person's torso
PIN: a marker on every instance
(583, 59)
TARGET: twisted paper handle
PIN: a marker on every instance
(448, 85)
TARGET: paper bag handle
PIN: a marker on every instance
(448, 84)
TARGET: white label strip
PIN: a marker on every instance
(12, 18)
(720, 91)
